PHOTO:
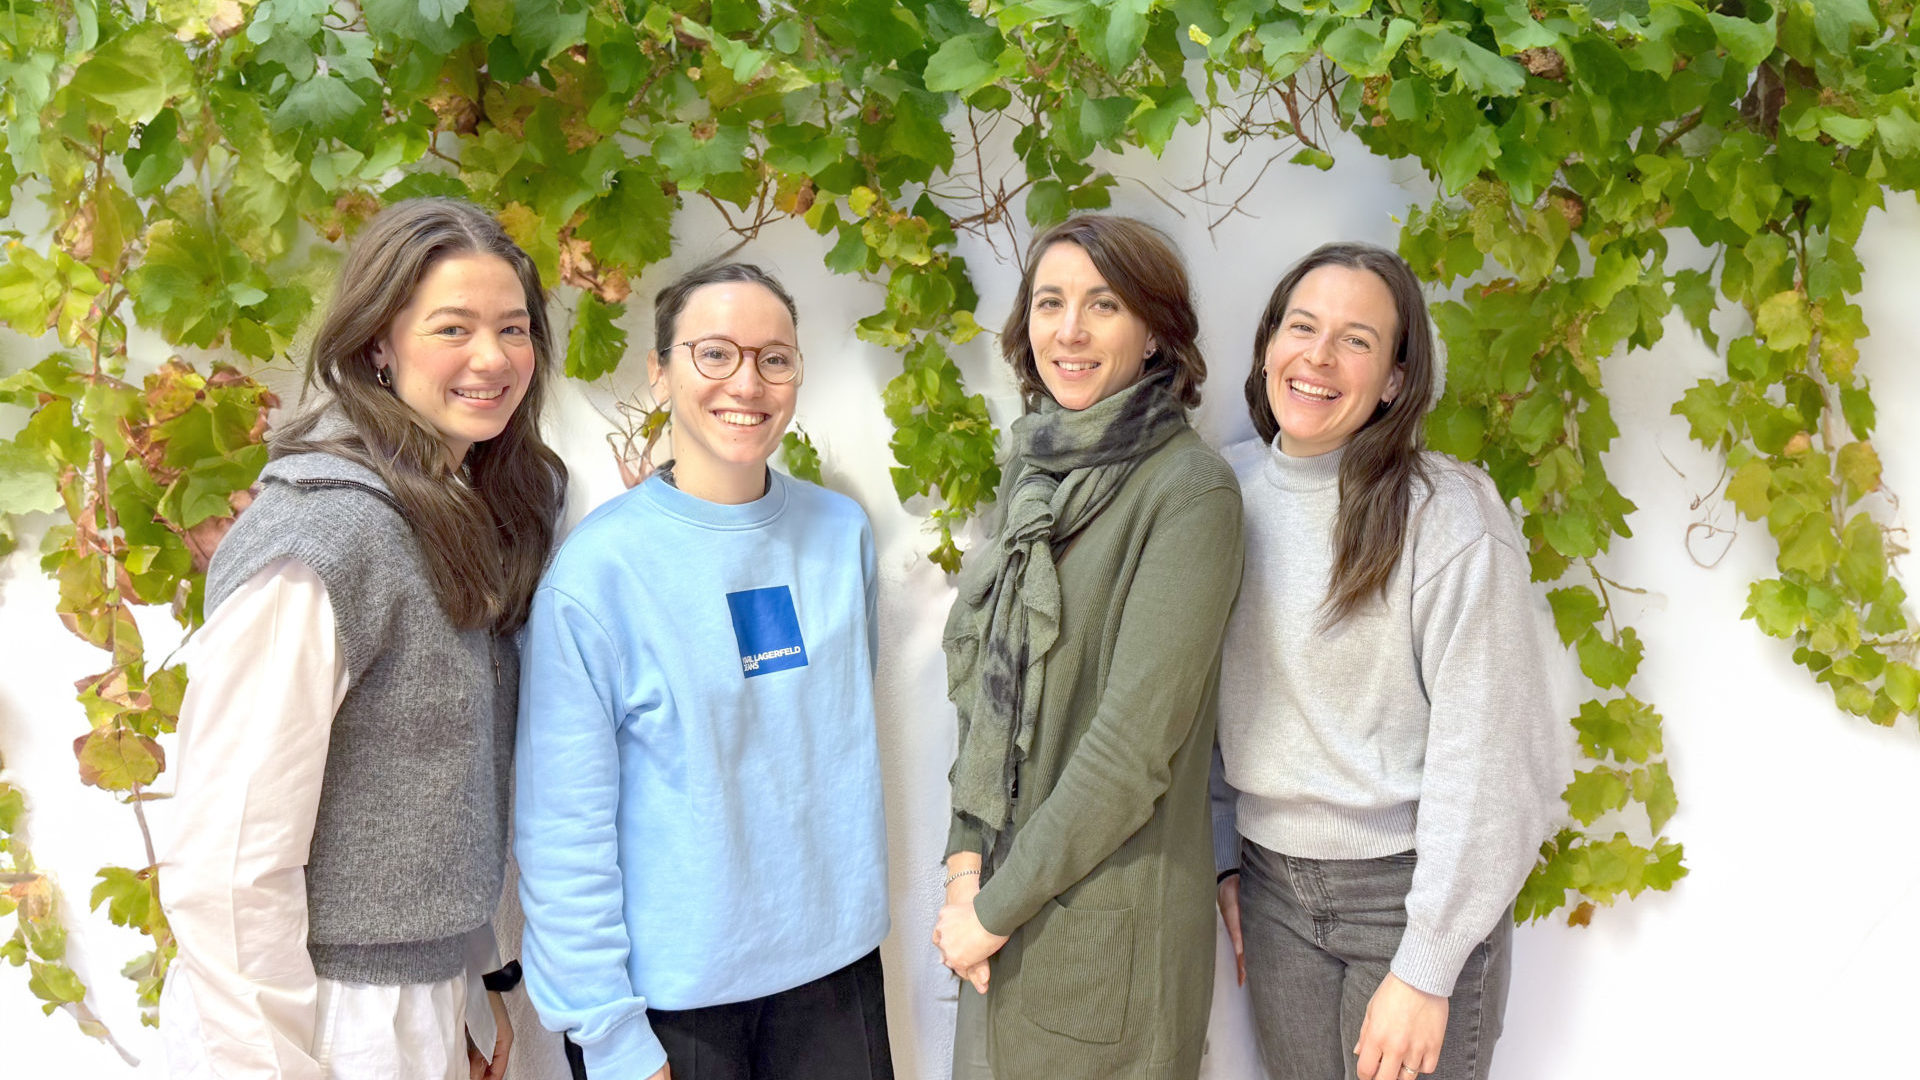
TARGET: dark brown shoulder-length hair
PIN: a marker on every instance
(672, 298)
(1383, 458)
(485, 542)
(1141, 266)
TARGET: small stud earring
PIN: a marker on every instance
(383, 377)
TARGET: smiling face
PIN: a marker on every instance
(1330, 363)
(460, 354)
(1085, 342)
(724, 430)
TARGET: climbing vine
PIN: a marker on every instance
(197, 165)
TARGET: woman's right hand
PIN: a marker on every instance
(962, 890)
(1230, 914)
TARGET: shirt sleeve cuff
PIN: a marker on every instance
(630, 1050)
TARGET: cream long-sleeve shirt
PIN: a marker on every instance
(243, 1000)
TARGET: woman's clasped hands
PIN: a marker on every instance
(964, 943)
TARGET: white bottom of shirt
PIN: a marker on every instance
(361, 1032)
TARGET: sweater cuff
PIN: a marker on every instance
(1430, 962)
(631, 1049)
(1226, 845)
(963, 835)
(990, 907)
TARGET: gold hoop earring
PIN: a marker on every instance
(383, 377)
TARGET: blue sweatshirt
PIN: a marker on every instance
(697, 811)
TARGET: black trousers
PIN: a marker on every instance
(833, 1028)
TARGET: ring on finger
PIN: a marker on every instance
(1409, 1070)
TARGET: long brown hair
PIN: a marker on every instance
(485, 542)
(1144, 270)
(1382, 460)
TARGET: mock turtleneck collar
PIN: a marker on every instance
(1303, 474)
(713, 515)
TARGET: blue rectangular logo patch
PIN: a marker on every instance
(767, 629)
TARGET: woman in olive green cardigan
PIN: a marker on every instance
(1082, 654)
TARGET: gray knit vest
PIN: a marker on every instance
(409, 848)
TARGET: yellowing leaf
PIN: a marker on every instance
(1809, 546)
(1653, 788)
(1626, 729)
(1748, 490)
(55, 983)
(1863, 559)
(1903, 686)
(1594, 792)
(1782, 319)
(118, 760)
(130, 896)
(1858, 465)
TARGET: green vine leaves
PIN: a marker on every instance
(39, 939)
(199, 163)
(1766, 136)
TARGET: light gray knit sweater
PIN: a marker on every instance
(1422, 721)
(409, 847)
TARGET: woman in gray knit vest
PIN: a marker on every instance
(337, 839)
(1390, 754)
(1082, 654)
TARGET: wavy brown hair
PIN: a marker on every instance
(485, 541)
(1144, 270)
(1382, 460)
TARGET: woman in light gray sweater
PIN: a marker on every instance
(1389, 756)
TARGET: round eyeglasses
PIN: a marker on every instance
(718, 358)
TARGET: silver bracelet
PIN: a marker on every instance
(958, 874)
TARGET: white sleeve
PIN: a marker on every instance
(267, 675)
(483, 958)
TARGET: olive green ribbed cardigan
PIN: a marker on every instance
(1107, 888)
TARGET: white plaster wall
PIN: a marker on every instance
(1788, 946)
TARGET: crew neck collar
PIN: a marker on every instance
(713, 515)
(1303, 474)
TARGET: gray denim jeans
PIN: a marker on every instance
(1320, 935)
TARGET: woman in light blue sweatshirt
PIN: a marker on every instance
(698, 817)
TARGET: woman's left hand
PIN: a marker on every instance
(963, 941)
(480, 1066)
(1403, 1031)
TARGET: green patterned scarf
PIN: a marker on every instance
(1067, 466)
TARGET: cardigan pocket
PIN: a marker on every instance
(1077, 972)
